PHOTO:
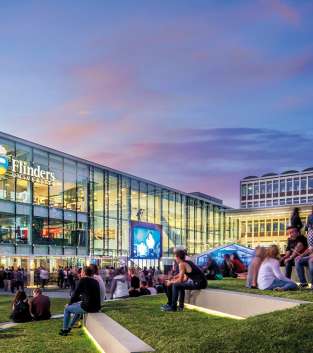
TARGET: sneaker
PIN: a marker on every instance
(78, 324)
(169, 308)
(164, 306)
(303, 285)
(64, 332)
(180, 308)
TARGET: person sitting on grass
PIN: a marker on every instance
(228, 267)
(270, 276)
(85, 299)
(40, 306)
(296, 245)
(20, 308)
(254, 267)
(211, 269)
(151, 288)
(189, 277)
(144, 288)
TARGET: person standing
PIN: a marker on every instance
(96, 276)
(85, 299)
(295, 220)
(44, 277)
(306, 258)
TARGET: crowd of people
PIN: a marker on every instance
(12, 279)
(265, 268)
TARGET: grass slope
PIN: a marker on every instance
(239, 286)
(287, 331)
(37, 337)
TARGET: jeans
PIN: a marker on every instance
(72, 309)
(304, 261)
(285, 285)
(177, 290)
(288, 268)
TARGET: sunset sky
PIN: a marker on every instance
(191, 94)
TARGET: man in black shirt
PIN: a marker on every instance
(189, 277)
(85, 299)
(296, 244)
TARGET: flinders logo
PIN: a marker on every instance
(23, 170)
(4, 161)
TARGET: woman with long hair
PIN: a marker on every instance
(20, 308)
(270, 276)
(254, 267)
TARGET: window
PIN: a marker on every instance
(282, 202)
(268, 228)
(262, 203)
(56, 190)
(40, 230)
(262, 228)
(171, 209)
(269, 203)
(303, 200)
(262, 189)
(275, 187)
(150, 203)
(165, 207)
(143, 201)
(282, 186)
(7, 182)
(134, 199)
(303, 185)
(113, 200)
(22, 224)
(23, 187)
(70, 192)
(40, 196)
(275, 202)
(256, 189)
(269, 188)
(125, 198)
(289, 201)
(296, 200)
(256, 204)
(250, 189)
(82, 187)
(244, 190)
(310, 184)
(296, 185)
(289, 186)
(7, 228)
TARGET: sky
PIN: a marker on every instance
(191, 94)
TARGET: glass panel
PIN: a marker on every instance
(296, 185)
(289, 185)
(40, 190)
(269, 188)
(7, 225)
(282, 185)
(304, 184)
(125, 198)
(244, 190)
(23, 187)
(56, 231)
(171, 209)
(70, 232)
(275, 186)
(23, 226)
(256, 189)
(310, 184)
(40, 230)
(157, 201)
(150, 203)
(143, 201)
(70, 185)
(82, 234)
(165, 204)
(178, 211)
(262, 188)
(98, 232)
(82, 193)
(134, 199)
(56, 190)
(113, 196)
(7, 182)
(250, 189)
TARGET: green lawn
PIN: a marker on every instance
(239, 286)
(287, 331)
(36, 337)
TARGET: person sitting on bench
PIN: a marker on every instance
(85, 299)
(189, 277)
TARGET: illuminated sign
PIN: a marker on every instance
(23, 169)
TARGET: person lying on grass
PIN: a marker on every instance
(189, 277)
(270, 276)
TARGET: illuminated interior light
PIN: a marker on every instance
(213, 312)
(100, 349)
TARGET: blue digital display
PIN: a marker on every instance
(146, 240)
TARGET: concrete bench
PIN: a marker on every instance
(111, 337)
(235, 304)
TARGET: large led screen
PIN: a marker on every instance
(146, 240)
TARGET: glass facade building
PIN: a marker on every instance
(53, 205)
(272, 190)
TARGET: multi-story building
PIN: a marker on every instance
(266, 204)
(57, 209)
(273, 190)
